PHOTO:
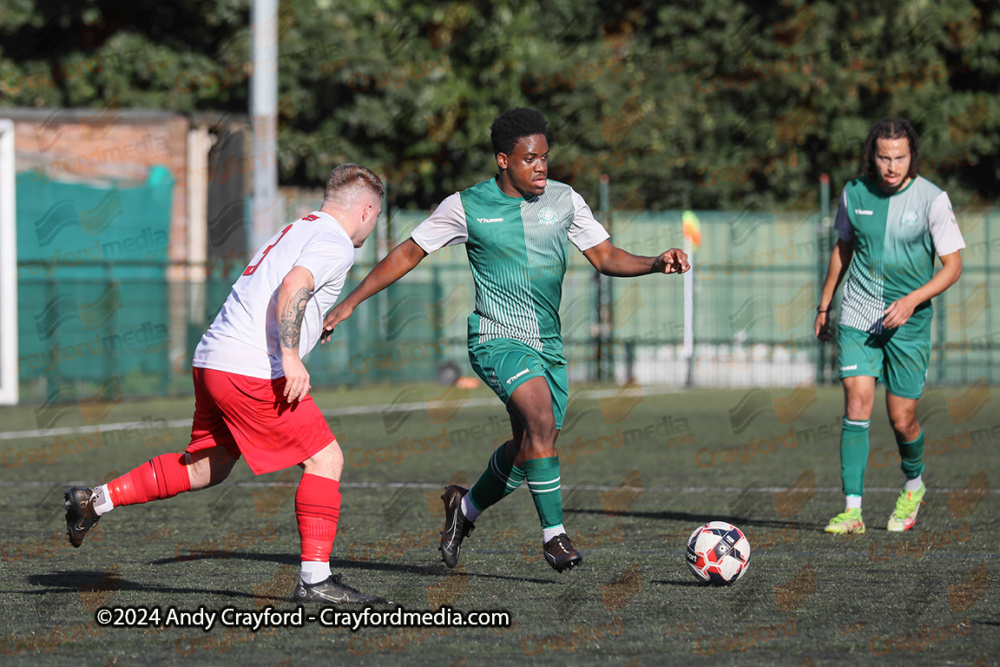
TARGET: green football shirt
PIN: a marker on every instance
(895, 238)
(517, 252)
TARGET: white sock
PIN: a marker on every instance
(853, 501)
(468, 509)
(102, 500)
(315, 571)
(913, 484)
(549, 533)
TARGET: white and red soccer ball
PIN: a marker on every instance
(718, 552)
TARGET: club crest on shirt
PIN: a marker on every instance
(910, 217)
(547, 216)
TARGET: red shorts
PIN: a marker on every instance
(249, 416)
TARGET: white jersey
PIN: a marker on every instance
(243, 339)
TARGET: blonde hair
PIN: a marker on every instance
(348, 180)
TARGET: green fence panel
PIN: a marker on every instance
(92, 284)
(96, 305)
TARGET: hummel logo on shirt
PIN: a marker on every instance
(852, 367)
(489, 219)
(861, 211)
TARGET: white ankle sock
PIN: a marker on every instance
(468, 509)
(549, 533)
(853, 501)
(315, 571)
(102, 500)
(913, 484)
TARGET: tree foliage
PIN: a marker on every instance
(721, 104)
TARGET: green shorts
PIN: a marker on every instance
(506, 364)
(896, 357)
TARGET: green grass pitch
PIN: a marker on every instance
(639, 472)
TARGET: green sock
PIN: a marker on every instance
(854, 456)
(912, 456)
(543, 482)
(499, 480)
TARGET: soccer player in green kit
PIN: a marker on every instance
(890, 223)
(516, 228)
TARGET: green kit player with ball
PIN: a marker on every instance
(516, 228)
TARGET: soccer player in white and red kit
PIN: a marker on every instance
(251, 387)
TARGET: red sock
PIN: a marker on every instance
(163, 477)
(317, 508)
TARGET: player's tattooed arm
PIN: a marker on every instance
(290, 321)
(293, 295)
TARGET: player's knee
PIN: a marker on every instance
(335, 455)
(859, 407)
(208, 468)
(543, 433)
(540, 442)
(198, 471)
(327, 462)
(904, 424)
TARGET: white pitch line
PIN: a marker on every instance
(480, 402)
(333, 412)
(73, 430)
(405, 407)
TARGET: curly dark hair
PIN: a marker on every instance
(890, 128)
(513, 124)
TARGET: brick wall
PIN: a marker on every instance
(107, 144)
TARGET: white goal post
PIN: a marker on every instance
(8, 268)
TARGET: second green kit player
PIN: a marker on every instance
(891, 224)
(516, 228)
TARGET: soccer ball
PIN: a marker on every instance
(718, 552)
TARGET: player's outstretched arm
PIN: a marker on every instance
(900, 310)
(393, 266)
(293, 295)
(840, 259)
(613, 261)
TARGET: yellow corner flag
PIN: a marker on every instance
(692, 230)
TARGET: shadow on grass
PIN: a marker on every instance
(432, 570)
(95, 581)
(429, 570)
(686, 582)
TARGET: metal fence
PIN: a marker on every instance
(118, 328)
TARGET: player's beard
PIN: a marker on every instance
(893, 189)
